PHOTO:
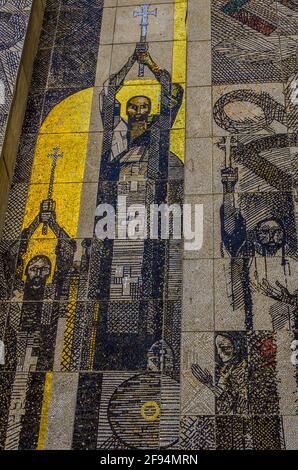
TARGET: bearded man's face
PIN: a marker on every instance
(38, 271)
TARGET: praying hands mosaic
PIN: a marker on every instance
(137, 343)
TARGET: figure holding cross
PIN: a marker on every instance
(140, 120)
(248, 246)
(47, 214)
(144, 13)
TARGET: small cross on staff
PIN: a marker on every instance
(227, 144)
(144, 13)
(48, 205)
(55, 157)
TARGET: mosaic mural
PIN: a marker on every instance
(138, 344)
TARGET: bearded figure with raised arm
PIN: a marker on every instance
(136, 164)
(142, 129)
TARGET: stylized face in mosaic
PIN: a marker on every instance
(38, 271)
(138, 109)
(225, 348)
(270, 235)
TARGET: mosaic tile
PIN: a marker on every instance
(76, 26)
(257, 214)
(52, 97)
(199, 105)
(33, 114)
(169, 410)
(161, 53)
(15, 211)
(196, 398)
(287, 14)
(255, 297)
(290, 432)
(276, 155)
(52, 5)
(150, 2)
(198, 310)
(23, 168)
(16, 5)
(67, 4)
(245, 59)
(263, 433)
(41, 69)
(198, 169)
(70, 69)
(8, 261)
(14, 28)
(48, 31)
(246, 117)
(200, 242)
(197, 433)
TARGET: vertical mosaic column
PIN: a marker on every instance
(239, 378)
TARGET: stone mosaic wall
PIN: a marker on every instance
(121, 344)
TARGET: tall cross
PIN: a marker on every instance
(227, 144)
(55, 157)
(48, 205)
(144, 13)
